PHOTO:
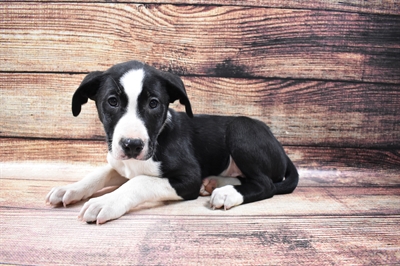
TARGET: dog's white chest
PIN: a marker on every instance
(131, 168)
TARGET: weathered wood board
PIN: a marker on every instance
(374, 6)
(221, 41)
(325, 75)
(94, 152)
(314, 225)
(341, 114)
(55, 237)
(67, 161)
(305, 201)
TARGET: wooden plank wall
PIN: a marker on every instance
(320, 73)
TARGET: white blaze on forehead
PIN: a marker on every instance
(130, 124)
(132, 82)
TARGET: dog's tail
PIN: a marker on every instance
(291, 179)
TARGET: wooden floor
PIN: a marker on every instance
(321, 223)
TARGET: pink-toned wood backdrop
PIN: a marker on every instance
(325, 75)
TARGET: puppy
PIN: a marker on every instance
(157, 154)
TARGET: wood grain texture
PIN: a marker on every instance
(304, 201)
(374, 6)
(324, 74)
(39, 105)
(299, 112)
(311, 174)
(21, 150)
(71, 160)
(176, 240)
(202, 40)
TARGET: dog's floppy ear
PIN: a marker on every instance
(176, 90)
(87, 90)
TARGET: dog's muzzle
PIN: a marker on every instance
(132, 147)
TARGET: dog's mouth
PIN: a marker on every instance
(123, 156)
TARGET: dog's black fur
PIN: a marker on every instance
(191, 148)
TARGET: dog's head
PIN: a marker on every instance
(132, 101)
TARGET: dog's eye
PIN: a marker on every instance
(113, 101)
(153, 103)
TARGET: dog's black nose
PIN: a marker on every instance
(132, 147)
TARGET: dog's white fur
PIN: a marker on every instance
(226, 196)
(139, 180)
(145, 183)
(130, 125)
(133, 193)
(132, 168)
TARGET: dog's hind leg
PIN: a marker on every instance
(260, 158)
(212, 182)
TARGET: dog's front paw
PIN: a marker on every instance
(65, 195)
(103, 209)
(226, 197)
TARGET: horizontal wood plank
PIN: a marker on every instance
(202, 40)
(176, 240)
(67, 161)
(20, 150)
(39, 105)
(298, 112)
(312, 175)
(304, 201)
(374, 6)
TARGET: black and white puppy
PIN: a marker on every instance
(157, 154)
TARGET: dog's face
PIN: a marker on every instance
(132, 101)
